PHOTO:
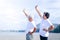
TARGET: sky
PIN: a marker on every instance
(13, 18)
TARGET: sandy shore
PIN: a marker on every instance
(21, 36)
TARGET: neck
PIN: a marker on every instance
(45, 19)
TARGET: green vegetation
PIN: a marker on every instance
(57, 29)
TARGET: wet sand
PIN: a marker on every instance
(21, 36)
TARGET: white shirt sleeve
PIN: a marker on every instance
(33, 24)
(49, 23)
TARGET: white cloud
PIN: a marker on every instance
(12, 17)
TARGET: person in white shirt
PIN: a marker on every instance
(31, 27)
(45, 25)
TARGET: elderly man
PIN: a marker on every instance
(31, 27)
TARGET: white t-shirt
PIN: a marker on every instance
(44, 24)
(30, 26)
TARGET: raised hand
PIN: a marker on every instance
(24, 10)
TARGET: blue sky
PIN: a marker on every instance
(12, 17)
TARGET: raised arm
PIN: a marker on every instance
(38, 11)
(25, 13)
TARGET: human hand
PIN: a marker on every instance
(30, 33)
(45, 30)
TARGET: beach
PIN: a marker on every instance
(21, 36)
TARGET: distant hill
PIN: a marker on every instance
(55, 25)
(56, 29)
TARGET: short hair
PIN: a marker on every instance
(46, 14)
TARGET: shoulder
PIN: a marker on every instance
(33, 23)
(49, 22)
